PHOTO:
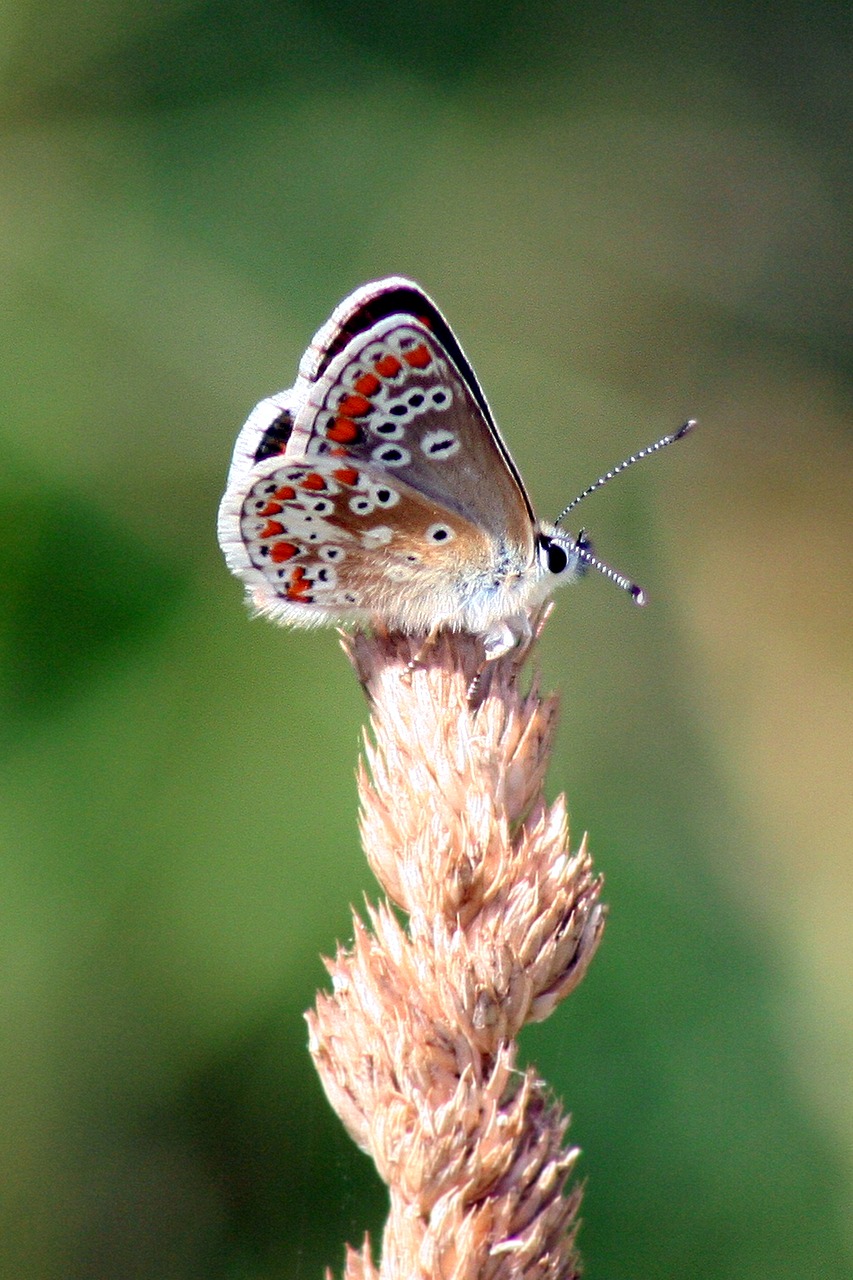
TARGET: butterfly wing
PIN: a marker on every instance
(378, 485)
(268, 427)
(265, 433)
(330, 539)
(386, 383)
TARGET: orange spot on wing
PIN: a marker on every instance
(388, 367)
(347, 475)
(367, 385)
(299, 585)
(271, 529)
(271, 509)
(285, 494)
(344, 431)
(419, 357)
(281, 551)
(313, 481)
(355, 406)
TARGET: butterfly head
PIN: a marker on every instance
(560, 554)
(563, 557)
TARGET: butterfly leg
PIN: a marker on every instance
(418, 659)
(506, 635)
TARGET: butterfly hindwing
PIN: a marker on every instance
(331, 538)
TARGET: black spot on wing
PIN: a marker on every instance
(275, 438)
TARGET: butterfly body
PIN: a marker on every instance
(378, 487)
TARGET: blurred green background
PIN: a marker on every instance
(630, 215)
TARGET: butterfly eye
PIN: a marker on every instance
(557, 558)
(553, 555)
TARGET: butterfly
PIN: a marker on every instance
(378, 487)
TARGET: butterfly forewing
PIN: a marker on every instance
(267, 429)
(372, 303)
(394, 399)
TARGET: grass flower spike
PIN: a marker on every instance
(416, 1044)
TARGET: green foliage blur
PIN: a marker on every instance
(630, 215)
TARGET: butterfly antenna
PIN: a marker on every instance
(623, 466)
(583, 551)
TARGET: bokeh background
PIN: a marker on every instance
(630, 214)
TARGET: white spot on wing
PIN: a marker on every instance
(439, 533)
(440, 444)
(391, 455)
(325, 579)
(387, 428)
(384, 496)
(379, 536)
